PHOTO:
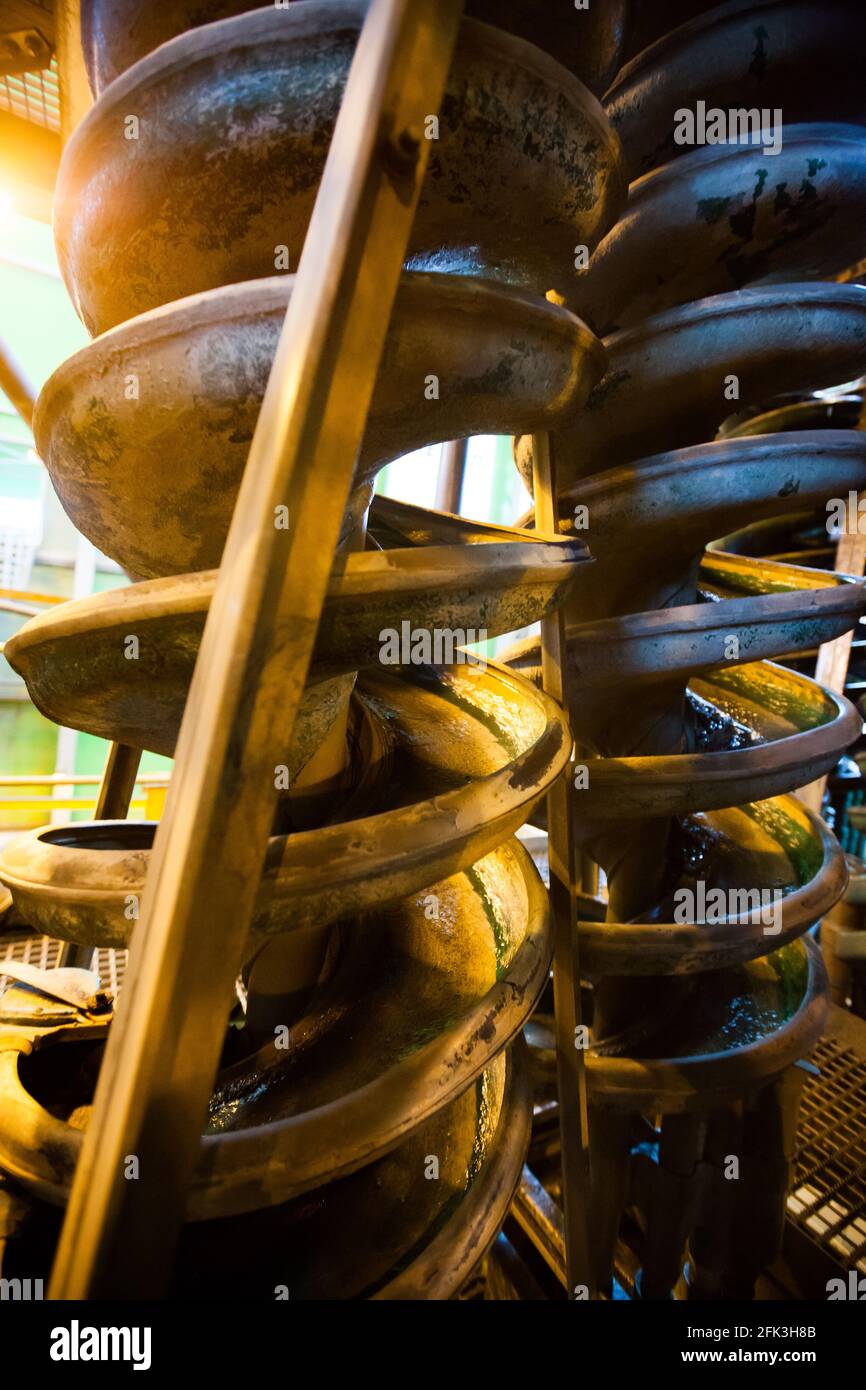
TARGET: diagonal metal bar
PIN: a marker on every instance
(539, 1217)
(118, 782)
(566, 874)
(163, 1051)
(15, 384)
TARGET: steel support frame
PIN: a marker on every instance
(566, 878)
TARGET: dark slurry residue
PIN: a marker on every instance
(692, 848)
(536, 762)
(711, 210)
(607, 388)
(715, 732)
(758, 65)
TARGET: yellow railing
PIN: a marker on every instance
(29, 596)
(148, 799)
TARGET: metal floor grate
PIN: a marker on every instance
(828, 1197)
(34, 96)
(43, 952)
(111, 968)
(40, 951)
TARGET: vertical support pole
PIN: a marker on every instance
(76, 97)
(163, 1050)
(452, 468)
(564, 859)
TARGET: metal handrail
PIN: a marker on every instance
(75, 779)
(30, 596)
(149, 800)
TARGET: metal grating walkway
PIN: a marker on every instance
(34, 96)
(827, 1201)
(44, 952)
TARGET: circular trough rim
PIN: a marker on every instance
(451, 1256)
(674, 1085)
(317, 1146)
(534, 556)
(714, 781)
(259, 28)
(621, 948)
(268, 296)
(426, 840)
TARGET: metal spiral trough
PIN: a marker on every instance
(719, 272)
(402, 934)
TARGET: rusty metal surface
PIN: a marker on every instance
(480, 781)
(262, 92)
(589, 42)
(151, 476)
(681, 723)
(77, 672)
(405, 1023)
(789, 54)
(723, 216)
(691, 749)
(665, 384)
